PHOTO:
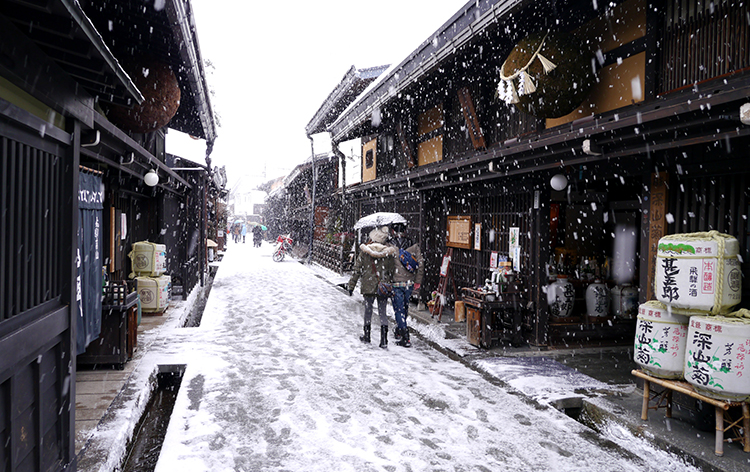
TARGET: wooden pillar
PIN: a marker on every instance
(540, 254)
(654, 226)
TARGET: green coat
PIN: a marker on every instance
(384, 260)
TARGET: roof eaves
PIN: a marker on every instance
(183, 25)
(472, 19)
(350, 86)
(87, 27)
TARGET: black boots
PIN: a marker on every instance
(404, 341)
(397, 334)
(384, 337)
(366, 337)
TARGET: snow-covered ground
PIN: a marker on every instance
(276, 379)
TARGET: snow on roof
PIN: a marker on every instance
(473, 18)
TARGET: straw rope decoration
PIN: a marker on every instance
(720, 239)
(509, 92)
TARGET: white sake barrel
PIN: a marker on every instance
(717, 357)
(660, 337)
(698, 271)
(148, 259)
(154, 293)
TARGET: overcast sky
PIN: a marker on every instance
(276, 62)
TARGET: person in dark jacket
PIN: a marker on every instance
(257, 235)
(404, 281)
(376, 261)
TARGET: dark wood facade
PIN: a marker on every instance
(672, 82)
(289, 207)
(37, 343)
(57, 74)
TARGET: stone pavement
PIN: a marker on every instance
(614, 411)
(605, 409)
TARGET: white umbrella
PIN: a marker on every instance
(379, 219)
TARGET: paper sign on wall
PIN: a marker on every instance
(514, 247)
(123, 226)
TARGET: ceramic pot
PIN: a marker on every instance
(560, 296)
(597, 299)
(625, 301)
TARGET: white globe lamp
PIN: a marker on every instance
(151, 178)
(558, 182)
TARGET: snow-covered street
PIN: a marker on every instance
(276, 379)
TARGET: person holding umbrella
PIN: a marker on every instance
(407, 277)
(376, 262)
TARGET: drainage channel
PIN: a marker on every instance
(146, 445)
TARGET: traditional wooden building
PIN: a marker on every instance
(333, 240)
(83, 175)
(289, 207)
(564, 136)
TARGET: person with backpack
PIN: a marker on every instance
(407, 278)
(375, 263)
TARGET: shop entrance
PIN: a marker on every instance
(593, 270)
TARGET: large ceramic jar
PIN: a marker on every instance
(597, 299)
(561, 296)
(625, 301)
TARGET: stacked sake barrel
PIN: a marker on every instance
(692, 331)
(149, 262)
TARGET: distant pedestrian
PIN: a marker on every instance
(376, 262)
(407, 277)
(236, 232)
(243, 231)
(257, 235)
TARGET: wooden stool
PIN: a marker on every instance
(739, 429)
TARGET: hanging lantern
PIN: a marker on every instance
(161, 93)
(546, 75)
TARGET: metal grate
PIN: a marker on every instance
(720, 203)
(30, 219)
(703, 40)
(499, 213)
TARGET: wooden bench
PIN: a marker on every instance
(739, 430)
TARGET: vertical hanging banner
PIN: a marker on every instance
(514, 248)
(656, 219)
(89, 280)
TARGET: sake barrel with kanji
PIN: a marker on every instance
(155, 293)
(717, 357)
(699, 271)
(660, 336)
(148, 259)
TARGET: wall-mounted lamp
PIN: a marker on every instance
(558, 182)
(745, 114)
(151, 178)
